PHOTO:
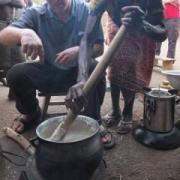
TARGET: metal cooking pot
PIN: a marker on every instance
(159, 107)
(74, 158)
(173, 76)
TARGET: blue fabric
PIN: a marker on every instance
(55, 34)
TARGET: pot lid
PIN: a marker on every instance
(159, 93)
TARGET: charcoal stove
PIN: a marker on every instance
(158, 129)
(77, 157)
(31, 172)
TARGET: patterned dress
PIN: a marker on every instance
(132, 64)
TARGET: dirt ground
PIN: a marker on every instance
(128, 160)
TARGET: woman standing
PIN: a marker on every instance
(132, 64)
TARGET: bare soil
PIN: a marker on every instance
(128, 160)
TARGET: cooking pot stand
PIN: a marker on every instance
(31, 172)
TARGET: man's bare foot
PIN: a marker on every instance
(24, 122)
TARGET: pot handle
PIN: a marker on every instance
(34, 141)
(146, 89)
(173, 91)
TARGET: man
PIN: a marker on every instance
(52, 32)
(133, 52)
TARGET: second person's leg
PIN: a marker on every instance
(126, 123)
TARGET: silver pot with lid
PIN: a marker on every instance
(159, 107)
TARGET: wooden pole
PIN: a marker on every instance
(24, 143)
(95, 76)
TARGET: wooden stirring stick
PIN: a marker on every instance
(63, 127)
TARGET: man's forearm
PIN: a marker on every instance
(10, 36)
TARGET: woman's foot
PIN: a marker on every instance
(107, 138)
(24, 121)
(125, 126)
(111, 119)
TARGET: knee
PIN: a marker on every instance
(15, 74)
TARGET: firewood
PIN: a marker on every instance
(23, 142)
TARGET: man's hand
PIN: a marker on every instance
(75, 98)
(132, 17)
(67, 55)
(32, 45)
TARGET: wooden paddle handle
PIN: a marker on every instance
(105, 61)
(95, 76)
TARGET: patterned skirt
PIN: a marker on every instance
(132, 64)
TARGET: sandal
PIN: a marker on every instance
(110, 120)
(107, 144)
(124, 127)
(25, 122)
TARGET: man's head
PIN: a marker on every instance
(59, 6)
(57, 3)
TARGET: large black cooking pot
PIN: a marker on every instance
(74, 158)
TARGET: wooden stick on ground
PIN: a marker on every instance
(23, 142)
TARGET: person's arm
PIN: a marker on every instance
(27, 38)
(10, 36)
(148, 20)
(157, 32)
(75, 97)
(154, 26)
(97, 8)
(22, 32)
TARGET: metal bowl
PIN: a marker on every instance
(173, 76)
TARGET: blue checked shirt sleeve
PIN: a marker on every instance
(27, 20)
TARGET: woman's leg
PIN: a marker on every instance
(115, 95)
(172, 28)
(125, 125)
(129, 97)
(114, 116)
